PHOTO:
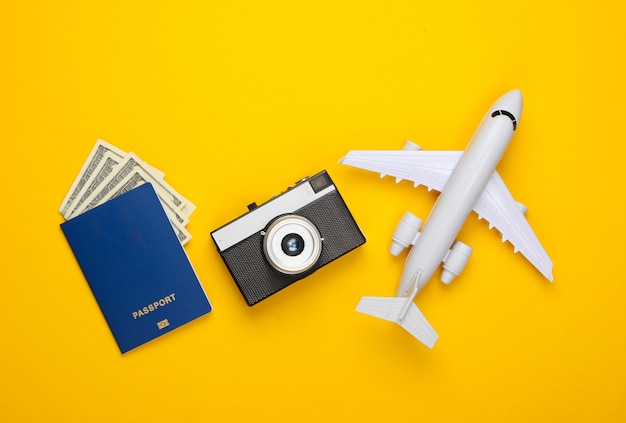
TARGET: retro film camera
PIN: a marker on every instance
(287, 238)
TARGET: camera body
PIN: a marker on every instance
(287, 238)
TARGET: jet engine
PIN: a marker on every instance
(455, 260)
(406, 233)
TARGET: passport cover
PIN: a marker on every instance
(136, 267)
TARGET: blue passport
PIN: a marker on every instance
(136, 267)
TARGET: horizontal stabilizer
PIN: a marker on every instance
(391, 308)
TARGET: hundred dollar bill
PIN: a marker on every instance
(108, 185)
(160, 185)
(182, 234)
(105, 167)
(97, 154)
(188, 208)
(127, 167)
(99, 151)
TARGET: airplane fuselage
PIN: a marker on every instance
(461, 193)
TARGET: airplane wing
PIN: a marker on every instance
(434, 168)
(429, 168)
(389, 308)
(498, 207)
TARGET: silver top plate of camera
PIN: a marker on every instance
(256, 220)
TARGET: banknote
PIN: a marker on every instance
(100, 173)
(99, 151)
(109, 172)
(188, 208)
(130, 163)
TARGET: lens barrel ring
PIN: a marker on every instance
(292, 244)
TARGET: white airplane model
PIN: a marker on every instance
(467, 181)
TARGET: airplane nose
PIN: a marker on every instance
(509, 105)
(511, 102)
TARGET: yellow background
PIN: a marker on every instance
(237, 100)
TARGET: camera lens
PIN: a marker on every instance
(292, 244)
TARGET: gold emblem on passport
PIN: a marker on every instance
(163, 324)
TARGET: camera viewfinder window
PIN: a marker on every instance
(320, 182)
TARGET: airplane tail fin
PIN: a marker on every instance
(402, 311)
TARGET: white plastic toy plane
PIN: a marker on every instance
(467, 181)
